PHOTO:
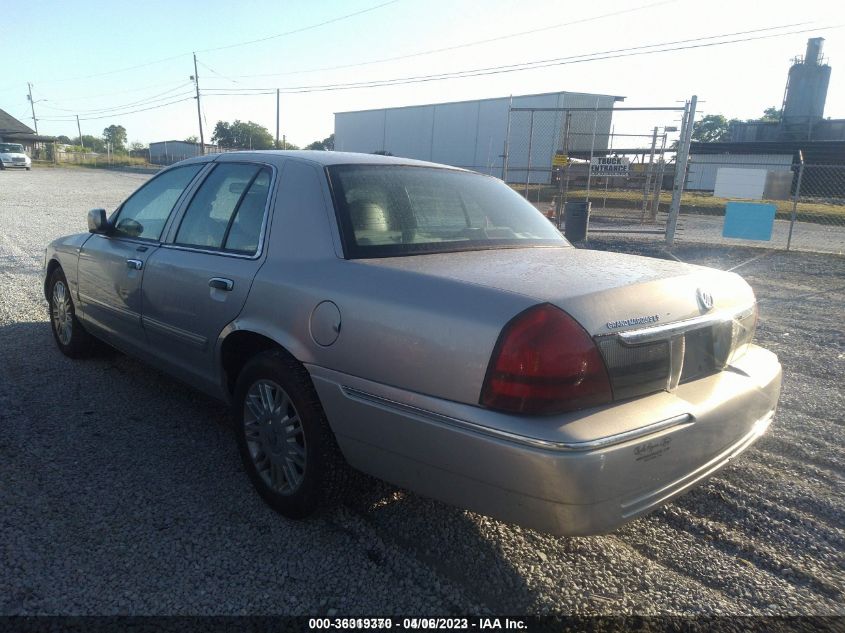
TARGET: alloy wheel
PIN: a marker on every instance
(62, 313)
(274, 436)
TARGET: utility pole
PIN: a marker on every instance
(277, 118)
(199, 111)
(32, 105)
(79, 129)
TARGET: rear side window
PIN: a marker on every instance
(390, 210)
(227, 211)
(144, 214)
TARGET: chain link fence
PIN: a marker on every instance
(818, 217)
(808, 201)
(601, 155)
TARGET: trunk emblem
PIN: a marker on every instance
(705, 299)
(652, 318)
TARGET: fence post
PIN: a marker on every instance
(530, 138)
(795, 198)
(655, 205)
(506, 152)
(563, 173)
(680, 171)
(592, 149)
(649, 176)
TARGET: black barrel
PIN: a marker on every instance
(576, 217)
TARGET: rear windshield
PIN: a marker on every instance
(390, 210)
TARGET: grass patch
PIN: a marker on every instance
(691, 202)
(104, 163)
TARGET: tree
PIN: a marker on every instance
(327, 144)
(61, 138)
(193, 138)
(91, 143)
(116, 135)
(771, 114)
(137, 146)
(712, 128)
(242, 135)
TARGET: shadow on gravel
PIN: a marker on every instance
(449, 541)
(151, 463)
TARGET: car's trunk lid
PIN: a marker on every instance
(685, 316)
(604, 291)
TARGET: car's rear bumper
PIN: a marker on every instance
(582, 473)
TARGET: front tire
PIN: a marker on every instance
(285, 442)
(71, 338)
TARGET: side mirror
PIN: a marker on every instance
(97, 222)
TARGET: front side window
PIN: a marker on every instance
(227, 212)
(145, 213)
(389, 210)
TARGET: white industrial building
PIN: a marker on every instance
(703, 168)
(471, 134)
(169, 152)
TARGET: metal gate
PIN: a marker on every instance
(601, 155)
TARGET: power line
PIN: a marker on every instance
(299, 30)
(700, 42)
(464, 45)
(111, 94)
(119, 114)
(118, 111)
(119, 70)
(145, 101)
(207, 67)
(572, 59)
(180, 55)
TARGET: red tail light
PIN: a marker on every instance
(545, 362)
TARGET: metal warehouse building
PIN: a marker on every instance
(169, 152)
(471, 134)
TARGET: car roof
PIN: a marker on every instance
(321, 157)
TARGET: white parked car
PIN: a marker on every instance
(13, 155)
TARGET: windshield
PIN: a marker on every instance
(11, 148)
(388, 210)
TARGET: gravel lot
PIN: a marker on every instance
(121, 491)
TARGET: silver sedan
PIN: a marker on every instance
(425, 325)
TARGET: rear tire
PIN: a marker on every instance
(71, 338)
(288, 449)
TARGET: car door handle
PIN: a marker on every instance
(221, 284)
(134, 264)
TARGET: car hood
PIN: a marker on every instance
(604, 291)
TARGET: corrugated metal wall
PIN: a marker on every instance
(701, 175)
(471, 134)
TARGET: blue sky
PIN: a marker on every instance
(79, 57)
